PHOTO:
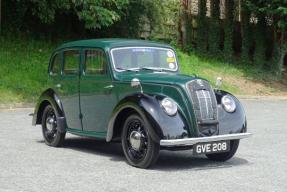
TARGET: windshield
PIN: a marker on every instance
(148, 58)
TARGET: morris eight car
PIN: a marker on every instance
(131, 91)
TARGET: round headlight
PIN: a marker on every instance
(228, 103)
(169, 106)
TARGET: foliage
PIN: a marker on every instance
(228, 30)
(140, 16)
(94, 14)
(274, 14)
(259, 36)
(275, 8)
(214, 28)
(24, 64)
(23, 68)
(260, 42)
(165, 25)
(86, 18)
(247, 34)
(201, 34)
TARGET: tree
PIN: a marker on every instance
(0, 16)
(276, 12)
(260, 41)
(94, 14)
(97, 14)
(139, 16)
(228, 30)
(247, 33)
(201, 34)
(214, 28)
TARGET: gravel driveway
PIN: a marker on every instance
(27, 164)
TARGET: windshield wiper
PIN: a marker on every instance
(142, 68)
(152, 69)
(128, 69)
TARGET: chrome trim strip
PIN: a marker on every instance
(192, 141)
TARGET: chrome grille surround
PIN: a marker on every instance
(204, 105)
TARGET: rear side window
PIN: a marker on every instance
(95, 62)
(71, 62)
(56, 64)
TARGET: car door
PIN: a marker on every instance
(97, 98)
(68, 88)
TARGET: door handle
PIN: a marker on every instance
(109, 87)
(58, 85)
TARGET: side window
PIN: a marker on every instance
(95, 62)
(56, 65)
(71, 61)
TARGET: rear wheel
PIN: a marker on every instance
(139, 148)
(226, 155)
(51, 135)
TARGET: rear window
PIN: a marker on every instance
(71, 62)
(56, 64)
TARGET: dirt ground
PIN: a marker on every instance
(253, 87)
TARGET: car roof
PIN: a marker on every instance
(111, 43)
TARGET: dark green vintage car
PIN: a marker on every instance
(131, 91)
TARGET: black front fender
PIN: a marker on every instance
(230, 122)
(148, 107)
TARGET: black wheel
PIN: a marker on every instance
(226, 155)
(139, 148)
(51, 135)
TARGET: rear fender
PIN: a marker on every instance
(49, 97)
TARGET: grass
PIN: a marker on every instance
(208, 69)
(23, 70)
(240, 78)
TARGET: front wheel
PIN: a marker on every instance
(226, 155)
(139, 148)
(51, 135)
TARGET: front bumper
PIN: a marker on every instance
(192, 141)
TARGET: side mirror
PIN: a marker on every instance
(218, 82)
(136, 83)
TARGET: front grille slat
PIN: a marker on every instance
(204, 105)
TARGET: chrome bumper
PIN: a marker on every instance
(192, 141)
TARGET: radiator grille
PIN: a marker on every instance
(204, 105)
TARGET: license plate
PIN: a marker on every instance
(211, 147)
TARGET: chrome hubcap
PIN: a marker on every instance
(135, 140)
(50, 123)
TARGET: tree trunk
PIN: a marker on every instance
(214, 28)
(201, 34)
(0, 17)
(228, 30)
(246, 32)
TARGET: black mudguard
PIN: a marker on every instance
(50, 97)
(230, 122)
(148, 107)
